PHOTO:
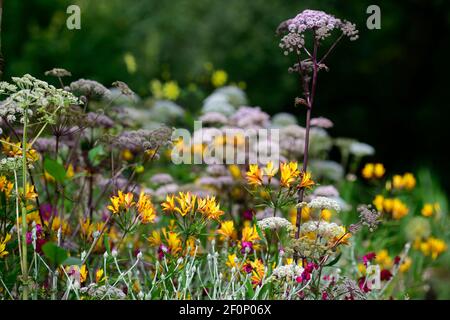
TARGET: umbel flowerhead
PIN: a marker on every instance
(321, 24)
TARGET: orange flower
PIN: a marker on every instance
(289, 173)
(169, 204)
(306, 181)
(145, 208)
(254, 175)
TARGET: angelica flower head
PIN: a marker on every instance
(321, 23)
(274, 223)
(322, 203)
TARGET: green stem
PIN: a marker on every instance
(24, 208)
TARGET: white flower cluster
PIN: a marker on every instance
(214, 118)
(319, 22)
(360, 149)
(322, 23)
(324, 203)
(250, 118)
(292, 42)
(10, 164)
(28, 92)
(287, 272)
(274, 223)
(327, 230)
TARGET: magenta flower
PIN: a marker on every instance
(369, 257)
(247, 247)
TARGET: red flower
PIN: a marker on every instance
(248, 268)
(362, 283)
(369, 257)
(385, 275)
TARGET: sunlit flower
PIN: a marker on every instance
(14, 149)
(399, 209)
(171, 90)
(378, 202)
(209, 207)
(173, 242)
(155, 238)
(99, 276)
(169, 204)
(186, 202)
(404, 267)
(235, 171)
(306, 181)
(429, 209)
(433, 246)
(407, 181)
(305, 214)
(383, 259)
(250, 234)
(254, 175)
(258, 272)
(127, 155)
(227, 230)
(145, 208)
(6, 186)
(219, 78)
(57, 224)
(30, 194)
(121, 202)
(326, 214)
(270, 171)
(231, 261)
(289, 173)
(373, 171)
(3, 252)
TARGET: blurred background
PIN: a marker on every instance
(388, 89)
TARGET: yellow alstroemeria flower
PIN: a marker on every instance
(231, 261)
(6, 186)
(254, 176)
(145, 208)
(3, 242)
(250, 234)
(258, 271)
(227, 230)
(306, 181)
(169, 204)
(209, 208)
(186, 202)
(289, 173)
(270, 170)
(99, 276)
(121, 202)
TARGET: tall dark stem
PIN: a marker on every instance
(309, 95)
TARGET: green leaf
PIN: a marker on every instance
(258, 229)
(334, 261)
(250, 291)
(96, 155)
(106, 243)
(55, 254)
(55, 169)
(72, 261)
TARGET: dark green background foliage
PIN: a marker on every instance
(389, 89)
